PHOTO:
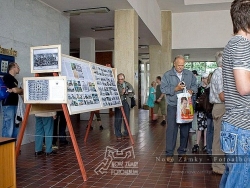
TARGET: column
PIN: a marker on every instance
(87, 49)
(126, 53)
(160, 55)
(87, 52)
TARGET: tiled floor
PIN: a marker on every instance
(150, 169)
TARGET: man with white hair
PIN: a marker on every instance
(216, 97)
(173, 82)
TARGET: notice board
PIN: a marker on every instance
(89, 86)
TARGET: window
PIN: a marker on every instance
(201, 66)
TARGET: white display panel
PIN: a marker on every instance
(45, 90)
(89, 86)
(82, 93)
(106, 85)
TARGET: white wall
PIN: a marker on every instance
(150, 13)
(26, 23)
(211, 29)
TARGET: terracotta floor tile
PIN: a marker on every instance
(62, 170)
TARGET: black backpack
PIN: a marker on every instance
(203, 104)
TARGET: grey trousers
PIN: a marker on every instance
(172, 131)
(119, 118)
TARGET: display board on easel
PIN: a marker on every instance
(90, 86)
(45, 90)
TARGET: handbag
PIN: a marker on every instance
(185, 112)
(133, 102)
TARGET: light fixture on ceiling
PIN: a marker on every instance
(106, 28)
(143, 46)
(96, 10)
(143, 54)
(186, 56)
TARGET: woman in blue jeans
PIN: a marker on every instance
(44, 128)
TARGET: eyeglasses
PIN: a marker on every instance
(121, 79)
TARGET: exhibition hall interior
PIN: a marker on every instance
(70, 55)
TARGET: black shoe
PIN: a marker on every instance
(38, 153)
(163, 122)
(101, 127)
(204, 149)
(195, 148)
(51, 153)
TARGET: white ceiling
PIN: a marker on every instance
(80, 26)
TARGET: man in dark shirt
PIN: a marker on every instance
(160, 102)
(10, 129)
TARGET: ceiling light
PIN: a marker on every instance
(143, 54)
(87, 11)
(186, 56)
(106, 28)
(143, 46)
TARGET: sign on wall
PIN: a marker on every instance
(5, 60)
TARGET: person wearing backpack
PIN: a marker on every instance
(9, 105)
(201, 115)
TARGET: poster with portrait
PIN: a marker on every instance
(106, 85)
(45, 90)
(45, 59)
(81, 88)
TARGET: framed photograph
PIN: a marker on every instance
(45, 59)
(43, 90)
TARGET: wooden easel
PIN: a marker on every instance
(70, 128)
(124, 117)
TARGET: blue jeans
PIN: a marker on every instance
(44, 127)
(235, 142)
(118, 119)
(171, 133)
(10, 129)
(210, 134)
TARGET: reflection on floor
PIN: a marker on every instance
(120, 165)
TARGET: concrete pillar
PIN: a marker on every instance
(126, 53)
(160, 55)
(87, 52)
(87, 49)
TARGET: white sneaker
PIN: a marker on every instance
(191, 130)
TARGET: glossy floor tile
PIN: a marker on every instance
(109, 163)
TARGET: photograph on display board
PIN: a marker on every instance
(45, 90)
(81, 88)
(106, 84)
(45, 59)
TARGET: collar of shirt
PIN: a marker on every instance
(178, 74)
